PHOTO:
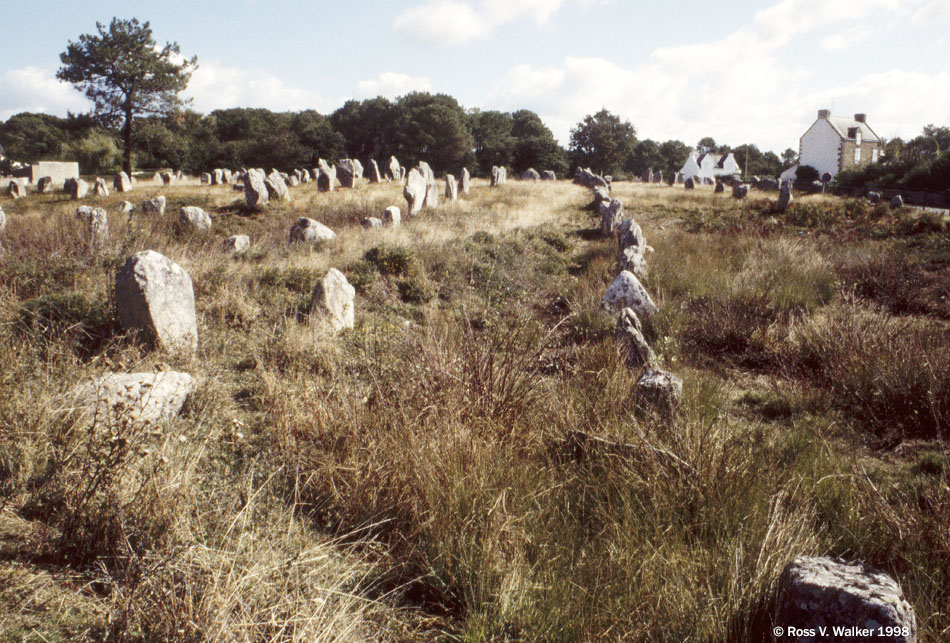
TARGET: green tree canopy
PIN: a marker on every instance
(491, 132)
(123, 72)
(603, 142)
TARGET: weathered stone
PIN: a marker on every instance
(157, 178)
(785, 196)
(647, 176)
(626, 291)
(78, 189)
(237, 243)
(346, 173)
(3, 220)
(326, 177)
(216, 177)
(633, 260)
(611, 214)
(155, 297)
(292, 181)
(374, 176)
(276, 186)
(658, 176)
(124, 207)
(395, 174)
(371, 222)
(658, 392)
(154, 206)
(689, 184)
(100, 188)
(584, 176)
(630, 235)
(191, 217)
(140, 398)
(548, 175)
(629, 334)
(44, 185)
(304, 176)
(16, 190)
(95, 225)
(205, 178)
(168, 178)
(432, 192)
(451, 188)
(601, 194)
(415, 192)
(897, 201)
(255, 191)
(740, 191)
(720, 188)
(227, 176)
(332, 301)
(359, 169)
(392, 216)
(874, 197)
(309, 230)
(499, 175)
(530, 174)
(826, 595)
(121, 182)
(465, 181)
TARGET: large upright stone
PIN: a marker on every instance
(255, 191)
(631, 248)
(495, 176)
(100, 188)
(611, 214)
(306, 230)
(451, 188)
(391, 216)
(168, 178)
(465, 181)
(326, 177)
(658, 176)
(785, 196)
(305, 176)
(154, 206)
(194, 218)
(276, 186)
(415, 192)
(626, 291)
(394, 173)
(647, 176)
(95, 225)
(205, 178)
(740, 191)
(720, 188)
(689, 184)
(140, 398)
(897, 201)
(44, 185)
(332, 301)
(217, 177)
(15, 190)
(346, 173)
(548, 175)
(821, 594)
(432, 190)
(121, 182)
(374, 176)
(530, 174)
(629, 334)
(155, 297)
(78, 188)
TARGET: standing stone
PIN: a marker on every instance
(451, 188)
(785, 196)
(226, 176)
(332, 301)
(465, 181)
(216, 177)
(154, 206)
(720, 188)
(495, 176)
(125, 207)
(740, 191)
(346, 173)
(326, 177)
(432, 191)
(304, 176)
(631, 248)
(374, 176)
(611, 214)
(168, 178)
(121, 182)
(157, 179)
(372, 222)
(897, 201)
(276, 186)
(658, 176)
(402, 173)
(237, 243)
(820, 592)
(658, 392)
(79, 189)
(255, 192)
(601, 194)
(205, 178)
(155, 297)
(292, 181)
(140, 398)
(626, 291)
(874, 197)
(194, 218)
(629, 334)
(96, 224)
(3, 220)
(391, 216)
(310, 231)
(359, 169)
(688, 184)
(548, 175)
(647, 176)
(395, 173)
(44, 185)
(415, 192)
(15, 190)
(100, 188)
(531, 174)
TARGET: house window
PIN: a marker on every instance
(874, 155)
(857, 155)
(857, 137)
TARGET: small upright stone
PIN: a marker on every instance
(415, 192)
(658, 176)
(371, 222)
(626, 291)
(658, 392)
(155, 296)
(465, 181)
(100, 188)
(276, 186)
(689, 184)
(897, 201)
(3, 220)
(125, 207)
(611, 214)
(374, 176)
(168, 178)
(79, 189)
(237, 243)
(194, 218)
(720, 188)
(451, 188)
(432, 191)
(740, 191)
(394, 174)
(548, 175)
(255, 191)
(820, 592)
(601, 194)
(96, 225)
(391, 216)
(205, 178)
(326, 177)
(154, 206)
(44, 185)
(309, 230)
(217, 177)
(121, 182)
(15, 190)
(332, 301)
(629, 335)
(346, 173)
(530, 174)
(874, 197)
(784, 196)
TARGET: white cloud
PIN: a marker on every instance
(844, 40)
(391, 85)
(32, 89)
(454, 22)
(216, 86)
(932, 12)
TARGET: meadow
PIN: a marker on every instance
(416, 477)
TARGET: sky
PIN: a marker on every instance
(738, 71)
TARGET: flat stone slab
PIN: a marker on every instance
(145, 398)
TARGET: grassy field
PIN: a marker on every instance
(412, 478)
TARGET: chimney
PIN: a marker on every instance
(824, 113)
(861, 118)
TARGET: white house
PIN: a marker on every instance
(836, 143)
(709, 166)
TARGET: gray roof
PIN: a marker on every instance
(842, 124)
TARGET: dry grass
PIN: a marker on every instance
(413, 479)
